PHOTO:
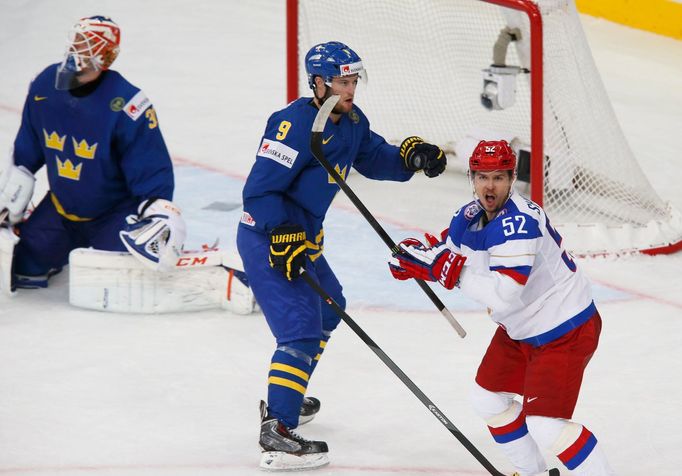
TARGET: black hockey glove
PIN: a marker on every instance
(419, 155)
(288, 250)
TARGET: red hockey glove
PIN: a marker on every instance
(436, 263)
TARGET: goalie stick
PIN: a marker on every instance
(316, 147)
(416, 391)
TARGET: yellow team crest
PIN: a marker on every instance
(340, 171)
(54, 140)
(67, 169)
(83, 150)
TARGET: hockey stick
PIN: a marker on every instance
(316, 147)
(400, 374)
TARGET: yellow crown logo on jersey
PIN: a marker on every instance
(54, 141)
(82, 149)
(341, 172)
(67, 170)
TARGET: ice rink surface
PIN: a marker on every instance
(87, 393)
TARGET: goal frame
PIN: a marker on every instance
(659, 232)
(536, 80)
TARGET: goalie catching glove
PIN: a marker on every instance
(156, 234)
(288, 250)
(434, 263)
(419, 155)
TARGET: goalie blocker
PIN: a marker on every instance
(118, 282)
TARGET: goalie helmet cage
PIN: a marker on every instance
(425, 60)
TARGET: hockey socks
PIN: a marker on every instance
(510, 431)
(575, 446)
(323, 343)
(288, 378)
(507, 424)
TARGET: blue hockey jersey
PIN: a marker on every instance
(288, 185)
(99, 149)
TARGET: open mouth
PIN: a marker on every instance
(489, 200)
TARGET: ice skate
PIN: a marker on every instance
(309, 409)
(284, 450)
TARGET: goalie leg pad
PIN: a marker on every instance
(239, 298)
(8, 241)
(118, 282)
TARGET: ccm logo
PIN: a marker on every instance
(191, 261)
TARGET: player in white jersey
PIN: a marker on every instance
(502, 251)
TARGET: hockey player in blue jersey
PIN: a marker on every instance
(98, 137)
(286, 197)
(502, 250)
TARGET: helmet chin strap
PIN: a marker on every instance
(327, 94)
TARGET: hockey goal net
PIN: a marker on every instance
(425, 60)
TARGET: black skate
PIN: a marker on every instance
(284, 450)
(309, 409)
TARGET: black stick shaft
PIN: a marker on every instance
(316, 147)
(416, 391)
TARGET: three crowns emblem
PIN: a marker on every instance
(82, 149)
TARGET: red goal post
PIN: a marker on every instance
(428, 63)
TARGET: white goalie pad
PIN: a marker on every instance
(8, 240)
(118, 282)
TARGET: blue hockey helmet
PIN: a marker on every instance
(332, 59)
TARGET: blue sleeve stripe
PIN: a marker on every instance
(524, 270)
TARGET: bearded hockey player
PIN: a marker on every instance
(286, 198)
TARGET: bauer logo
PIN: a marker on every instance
(280, 153)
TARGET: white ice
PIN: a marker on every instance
(88, 393)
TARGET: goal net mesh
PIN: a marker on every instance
(424, 60)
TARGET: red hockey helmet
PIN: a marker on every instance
(492, 155)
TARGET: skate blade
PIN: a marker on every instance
(302, 420)
(281, 461)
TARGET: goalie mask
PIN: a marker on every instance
(332, 59)
(156, 235)
(92, 46)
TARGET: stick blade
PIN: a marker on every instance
(323, 113)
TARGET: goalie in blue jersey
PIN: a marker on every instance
(286, 197)
(109, 172)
